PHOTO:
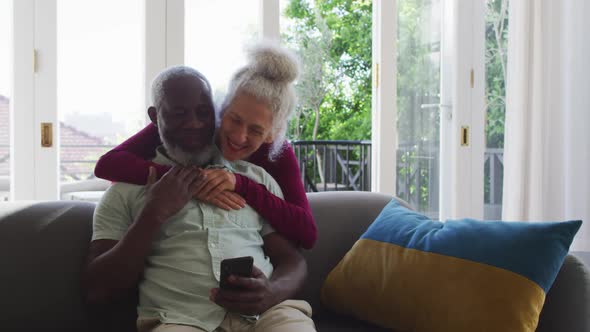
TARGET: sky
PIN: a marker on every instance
(100, 44)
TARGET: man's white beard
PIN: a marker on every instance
(177, 154)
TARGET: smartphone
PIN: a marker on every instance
(239, 266)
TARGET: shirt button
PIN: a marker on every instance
(213, 245)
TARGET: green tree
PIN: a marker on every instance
(496, 46)
(333, 38)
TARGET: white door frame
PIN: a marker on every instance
(463, 88)
(384, 97)
(34, 168)
(163, 39)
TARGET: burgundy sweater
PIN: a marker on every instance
(292, 218)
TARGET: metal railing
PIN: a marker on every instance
(334, 165)
(346, 165)
(339, 165)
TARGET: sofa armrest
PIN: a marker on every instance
(567, 306)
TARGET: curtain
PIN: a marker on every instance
(547, 128)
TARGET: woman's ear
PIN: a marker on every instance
(153, 114)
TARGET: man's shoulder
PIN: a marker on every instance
(123, 187)
(257, 174)
(123, 191)
(246, 168)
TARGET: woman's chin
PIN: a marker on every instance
(229, 156)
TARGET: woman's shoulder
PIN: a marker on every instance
(262, 156)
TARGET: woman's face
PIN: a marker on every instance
(245, 125)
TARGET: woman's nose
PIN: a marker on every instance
(240, 134)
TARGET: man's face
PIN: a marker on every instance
(186, 115)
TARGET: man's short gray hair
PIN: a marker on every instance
(175, 72)
(269, 76)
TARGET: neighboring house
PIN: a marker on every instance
(78, 154)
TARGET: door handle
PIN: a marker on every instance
(46, 134)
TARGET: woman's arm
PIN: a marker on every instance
(291, 217)
(129, 161)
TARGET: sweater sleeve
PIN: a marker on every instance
(291, 217)
(129, 161)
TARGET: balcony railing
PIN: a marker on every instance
(334, 165)
(346, 165)
(331, 166)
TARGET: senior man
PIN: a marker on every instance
(172, 245)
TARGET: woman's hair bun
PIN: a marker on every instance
(274, 62)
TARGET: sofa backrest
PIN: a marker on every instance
(341, 217)
(43, 246)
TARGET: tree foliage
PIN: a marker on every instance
(496, 46)
(333, 38)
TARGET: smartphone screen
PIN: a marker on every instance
(239, 266)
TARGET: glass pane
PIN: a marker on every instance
(5, 95)
(216, 33)
(496, 45)
(331, 129)
(100, 84)
(418, 84)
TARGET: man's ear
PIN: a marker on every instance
(153, 114)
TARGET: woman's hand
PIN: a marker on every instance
(227, 200)
(217, 188)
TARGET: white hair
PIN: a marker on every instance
(269, 76)
(158, 93)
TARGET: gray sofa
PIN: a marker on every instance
(43, 246)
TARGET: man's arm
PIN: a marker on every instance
(113, 265)
(257, 293)
(117, 265)
(290, 268)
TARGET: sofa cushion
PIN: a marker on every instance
(342, 217)
(328, 321)
(410, 273)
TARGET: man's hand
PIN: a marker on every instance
(254, 295)
(167, 196)
(217, 188)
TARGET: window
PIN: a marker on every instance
(496, 45)
(418, 91)
(215, 35)
(333, 40)
(100, 82)
(5, 95)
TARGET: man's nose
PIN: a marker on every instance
(192, 120)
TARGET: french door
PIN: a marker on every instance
(83, 69)
(445, 87)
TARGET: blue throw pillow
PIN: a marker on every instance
(410, 273)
